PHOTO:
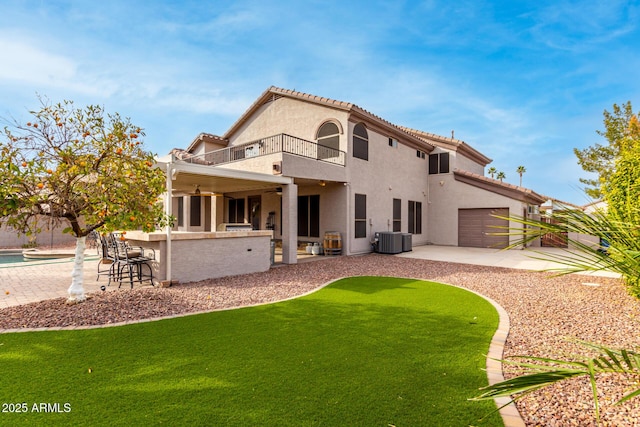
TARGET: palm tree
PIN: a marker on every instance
(520, 171)
(501, 175)
(492, 171)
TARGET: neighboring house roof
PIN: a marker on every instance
(356, 114)
(181, 154)
(495, 186)
(595, 204)
(451, 144)
(553, 203)
(206, 137)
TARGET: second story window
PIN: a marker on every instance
(329, 137)
(438, 163)
(360, 142)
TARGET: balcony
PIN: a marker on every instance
(281, 143)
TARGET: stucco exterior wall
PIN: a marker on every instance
(293, 117)
(446, 196)
(260, 164)
(9, 238)
(332, 208)
(291, 165)
(200, 256)
(584, 239)
(301, 167)
(206, 147)
(464, 163)
(390, 173)
(460, 161)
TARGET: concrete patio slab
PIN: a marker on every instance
(513, 258)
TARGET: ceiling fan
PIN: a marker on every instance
(277, 190)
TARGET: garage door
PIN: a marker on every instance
(475, 228)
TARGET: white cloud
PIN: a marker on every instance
(28, 64)
(32, 67)
(568, 25)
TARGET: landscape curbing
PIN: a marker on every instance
(508, 410)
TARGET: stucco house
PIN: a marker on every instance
(303, 166)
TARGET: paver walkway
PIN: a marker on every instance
(26, 282)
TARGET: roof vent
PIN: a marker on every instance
(273, 97)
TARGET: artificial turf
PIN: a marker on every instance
(364, 351)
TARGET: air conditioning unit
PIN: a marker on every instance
(388, 242)
(407, 245)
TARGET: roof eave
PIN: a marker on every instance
(387, 128)
(201, 137)
(450, 144)
(354, 111)
(524, 195)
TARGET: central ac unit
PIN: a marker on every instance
(389, 242)
(407, 246)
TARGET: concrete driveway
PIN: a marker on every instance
(514, 258)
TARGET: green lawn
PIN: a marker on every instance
(365, 351)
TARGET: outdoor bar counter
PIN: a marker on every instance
(205, 255)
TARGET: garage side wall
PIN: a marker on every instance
(447, 196)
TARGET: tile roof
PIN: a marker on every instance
(274, 93)
(450, 144)
(496, 186)
(562, 203)
(207, 137)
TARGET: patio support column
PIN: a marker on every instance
(290, 224)
(167, 210)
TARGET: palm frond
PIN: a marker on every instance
(525, 384)
(548, 371)
(613, 246)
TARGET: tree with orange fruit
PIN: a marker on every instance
(80, 167)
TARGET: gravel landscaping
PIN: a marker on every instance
(547, 314)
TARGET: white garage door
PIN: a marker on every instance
(476, 228)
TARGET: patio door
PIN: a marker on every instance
(254, 211)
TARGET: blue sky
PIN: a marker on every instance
(524, 82)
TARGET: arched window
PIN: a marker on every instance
(360, 142)
(329, 140)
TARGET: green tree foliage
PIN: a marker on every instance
(600, 159)
(80, 167)
(77, 166)
(621, 192)
(621, 188)
(492, 171)
(501, 175)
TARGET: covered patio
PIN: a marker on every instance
(201, 244)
